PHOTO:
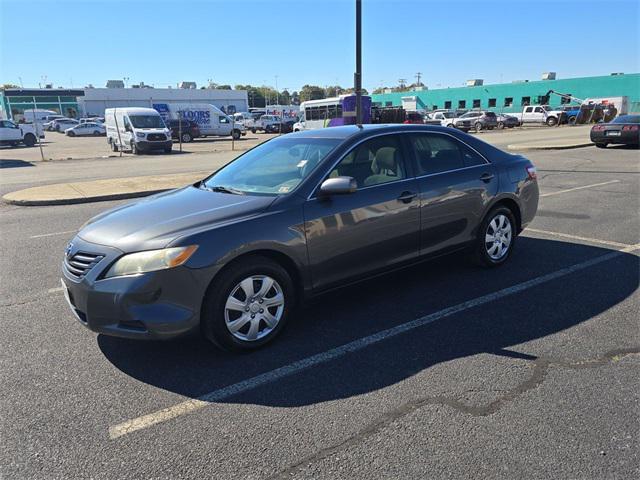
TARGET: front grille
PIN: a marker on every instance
(156, 137)
(80, 263)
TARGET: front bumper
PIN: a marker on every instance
(145, 145)
(154, 305)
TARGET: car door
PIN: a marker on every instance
(373, 228)
(10, 131)
(455, 186)
(224, 125)
(540, 114)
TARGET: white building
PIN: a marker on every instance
(96, 100)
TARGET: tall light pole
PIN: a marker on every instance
(357, 77)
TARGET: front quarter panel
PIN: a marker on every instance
(280, 230)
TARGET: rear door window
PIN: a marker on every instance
(436, 153)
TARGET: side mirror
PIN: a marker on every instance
(127, 128)
(338, 186)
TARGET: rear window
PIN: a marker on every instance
(490, 114)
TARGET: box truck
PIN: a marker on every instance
(210, 119)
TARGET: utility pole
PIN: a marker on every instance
(418, 76)
(402, 82)
(357, 77)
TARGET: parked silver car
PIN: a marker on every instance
(478, 120)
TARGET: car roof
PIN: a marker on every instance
(349, 131)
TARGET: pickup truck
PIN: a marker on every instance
(539, 114)
(14, 134)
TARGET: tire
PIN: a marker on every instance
(114, 147)
(500, 218)
(96, 133)
(451, 125)
(601, 145)
(572, 120)
(235, 134)
(253, 130)
(216, 317)
(500, 125)
(552, 121)
(71, 134)
(134, 149)
(186, 137)
(29, 140)
(168, 150)
(478, 126)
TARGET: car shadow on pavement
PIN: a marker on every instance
(191, 367)
(15, 164)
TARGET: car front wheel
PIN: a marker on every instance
(496, 238)
(248, 305)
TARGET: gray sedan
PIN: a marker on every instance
(232, 255)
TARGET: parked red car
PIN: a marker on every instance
(414, 117)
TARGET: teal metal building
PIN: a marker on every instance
(512, 97)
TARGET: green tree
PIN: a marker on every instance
(311, 92)
(7, 86)
(224, 87)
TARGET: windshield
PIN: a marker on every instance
(146, 121)
(627, 119)
(275, 167)
(449, 115)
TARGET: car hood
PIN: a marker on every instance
(158, 220)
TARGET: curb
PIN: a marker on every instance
(524, 146)
(73, 201)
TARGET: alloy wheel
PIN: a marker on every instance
(498, 237)
(254, 308)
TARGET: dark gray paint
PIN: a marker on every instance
(323, 241)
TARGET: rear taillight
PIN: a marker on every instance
(532, 173)
(630, 128)
(598, 128)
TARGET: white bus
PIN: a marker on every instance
(332, 112)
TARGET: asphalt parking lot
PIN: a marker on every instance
(442, 370)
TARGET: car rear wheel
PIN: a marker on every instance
(248, 305)
(186, 137)
(96, 133)
(601, 145)
(114, 147)
(71, 133)
(500, 125)
(572, 120)
(496, 238)
(253, 130)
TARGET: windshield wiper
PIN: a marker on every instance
(222, 188)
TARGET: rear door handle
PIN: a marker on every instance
(407, 197)
(486, 177)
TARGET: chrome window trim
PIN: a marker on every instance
(417, 132)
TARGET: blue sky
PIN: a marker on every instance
(306, 41)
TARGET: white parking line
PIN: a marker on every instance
(52, 234)
(192, 405)
(54, 290)
(576, 237)
(579, 188)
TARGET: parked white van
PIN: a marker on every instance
(210, 119)
(136, 130)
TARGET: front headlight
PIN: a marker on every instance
(140, 134)
(151, 260)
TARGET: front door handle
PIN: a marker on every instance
(407, 197)
(486, 177)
